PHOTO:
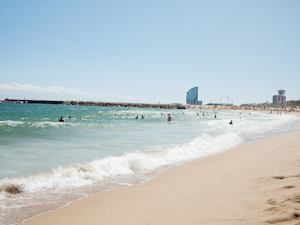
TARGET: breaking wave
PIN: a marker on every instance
(86, 173)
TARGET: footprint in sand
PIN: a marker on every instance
(271, 202)
(295, 198)
(279, 177)
(289, 187)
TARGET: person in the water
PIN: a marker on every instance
(231, 123)
(169, 118)
(61, 119)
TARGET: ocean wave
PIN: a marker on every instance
(11, 123)
(86, 173)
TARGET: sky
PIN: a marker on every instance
(150, 51)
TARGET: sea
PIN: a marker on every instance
(46, 164)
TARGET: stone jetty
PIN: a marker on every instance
(93, 103)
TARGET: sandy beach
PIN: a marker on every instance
(258, 183)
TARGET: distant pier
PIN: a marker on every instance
(32, 101)
(92, 103)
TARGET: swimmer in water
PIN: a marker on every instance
(231, 123)
(169, 118)
(61, 119)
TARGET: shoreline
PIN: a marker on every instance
(153, 105)
(256, 183)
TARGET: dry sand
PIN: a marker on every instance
(258, 183)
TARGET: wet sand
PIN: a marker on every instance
(258, 183)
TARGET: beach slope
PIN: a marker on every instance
(258, 183)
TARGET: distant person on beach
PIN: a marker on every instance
(61, 119)
(169, 118)
(231, 123)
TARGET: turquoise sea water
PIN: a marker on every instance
(103, 148)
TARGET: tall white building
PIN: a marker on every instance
(280, 99)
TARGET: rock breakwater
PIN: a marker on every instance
(93, 103)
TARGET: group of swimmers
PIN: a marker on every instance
(138, 117)
(169, 117)
(162, 115)
(215, 115)
(62, 120)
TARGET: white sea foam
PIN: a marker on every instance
(11, 123)
(109, 167)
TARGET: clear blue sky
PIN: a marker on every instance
(150, 51)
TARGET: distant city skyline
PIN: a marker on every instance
(150, 52)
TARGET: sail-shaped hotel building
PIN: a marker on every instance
(192, 97)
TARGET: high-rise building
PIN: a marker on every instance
(192, 97)
(280, 99)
